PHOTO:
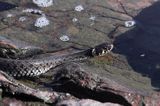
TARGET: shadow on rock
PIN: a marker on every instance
(141, 45)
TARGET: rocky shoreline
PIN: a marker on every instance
(128, 76)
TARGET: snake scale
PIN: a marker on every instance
(35, 67)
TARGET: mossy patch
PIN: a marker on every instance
(102, 60)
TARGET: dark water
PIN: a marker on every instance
(141, 45)
(6, 6)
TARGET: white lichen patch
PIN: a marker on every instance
(43, 3)
(74, 20)
(41, 22)
(79, 8)
(129, 23)
(64, 38)
(92, 18)
(9, 15)
(92, 24)
(21, 19)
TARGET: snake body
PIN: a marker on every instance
(35, 67)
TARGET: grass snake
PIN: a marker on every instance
(34, 67)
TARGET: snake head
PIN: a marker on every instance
(102, 49)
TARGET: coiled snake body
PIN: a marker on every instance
(35, 67)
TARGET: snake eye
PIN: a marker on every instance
(107, 48)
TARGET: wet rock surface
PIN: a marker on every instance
(128, 76)
(85, 103)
